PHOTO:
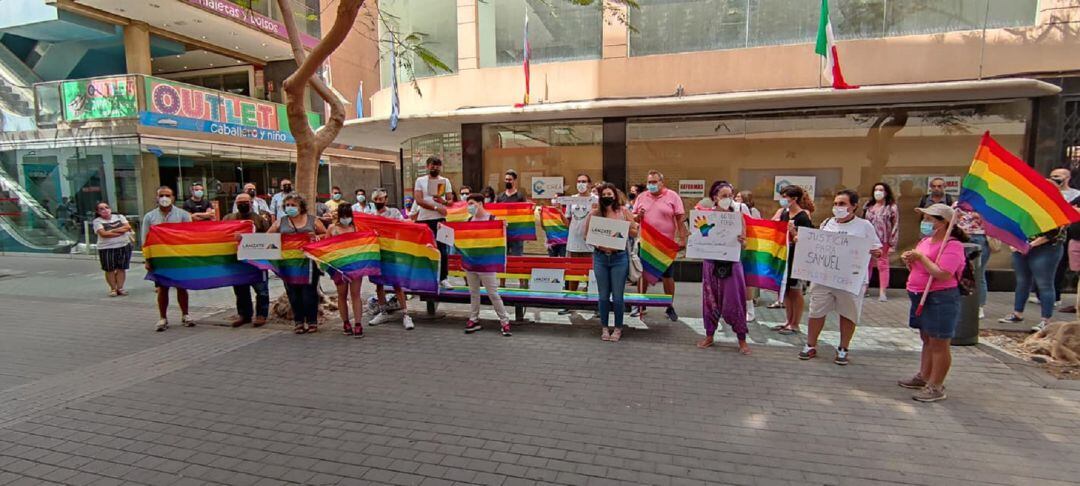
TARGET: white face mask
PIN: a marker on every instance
(839, 212)
(582, 187)
(164, 201)
(345, 221)
(879, 195)
(724, 203)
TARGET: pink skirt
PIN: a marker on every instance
(1074, 255)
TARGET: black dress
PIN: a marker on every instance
(801, 219)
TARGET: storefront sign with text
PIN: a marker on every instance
(99, 98)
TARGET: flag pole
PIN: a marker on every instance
(787, 264)
(941, 251)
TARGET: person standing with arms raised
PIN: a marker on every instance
(663, 210)
(430, 193)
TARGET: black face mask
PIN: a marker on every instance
(509, 185)
(380, 206)
(251, 193)
(286, 188)
(243, 207)
(434, 172)
(607, 201)
(632, 196)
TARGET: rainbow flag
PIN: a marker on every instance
(657, 252)
(1015, 202)
(520, 219)
(198, 256)
(408, 256)
(355, 255)
(764, 257)
(293, 268)
(482, 245)
(458, 211)
(554, 225)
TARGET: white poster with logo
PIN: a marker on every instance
(608, 233)
(832, 259)
(692, 188)
(714, 235)
(547, 279)
(445, 235)
(808, 183)
(259, 246)
(580, 201)
(546, 187)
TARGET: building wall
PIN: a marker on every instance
(357, 60)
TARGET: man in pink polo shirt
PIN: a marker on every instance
(663, 209)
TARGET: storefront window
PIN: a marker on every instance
(558, 31)
(668, 26)
(434, 21)
(904, 147)
(446, 146)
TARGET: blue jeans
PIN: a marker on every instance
(1038, 266)
(515, 248)
(557, 250)
(980, 277)
(611, 271)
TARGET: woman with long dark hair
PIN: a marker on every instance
(795, 208)
(611, 265)
(885, 216)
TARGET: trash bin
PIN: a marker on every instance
(967, 330)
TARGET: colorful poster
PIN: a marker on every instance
(714, 235)
(100, 98)
(184, 107)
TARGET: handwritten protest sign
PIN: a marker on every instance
(832, 259)
(714, 235)
(608, 232)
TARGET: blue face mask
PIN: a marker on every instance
(360, 198)
(292, 210)
(926, 228)
(472, 209)
(653, 188)
(784, 202)
(337, 196)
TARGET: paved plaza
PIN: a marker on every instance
(89, 394)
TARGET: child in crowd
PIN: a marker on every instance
(347, 292)
(487, 279)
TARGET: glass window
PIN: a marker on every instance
(558, 31)
(665, 26)
(840, 149)
(775, 22)
(446, 146)
(906, 17)
(434, 21)
(236, 83)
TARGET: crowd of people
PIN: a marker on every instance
(936, 262)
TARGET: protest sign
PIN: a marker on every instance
(445, 235)
(832, 259)
(714, 235)
(608, 232)
(547, 279)
(580, 201)
(259, 246)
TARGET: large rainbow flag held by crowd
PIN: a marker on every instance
(554, 225)
(482, 245)
(764, 257)
(1014, 201)
(355, 255)
(657, 252)
(198, 256)
(408, 256)
(293, 268)
(519, 217)
(458, 211)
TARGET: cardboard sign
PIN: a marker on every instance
(832, 259)
(692, 188)
(547, 279)
(608, 232)
(714, 235)
(546, 187)
(445, 235)
(259, 246)
(808, 183)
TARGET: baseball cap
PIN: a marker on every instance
(940, 210)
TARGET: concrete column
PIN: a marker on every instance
(615, 33)
(467, 37)
(137, 48)
(149, 180)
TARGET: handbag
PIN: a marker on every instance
(634, 275)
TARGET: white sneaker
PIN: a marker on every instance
(1033, 299)
(407, 322)
(187, 321)
(162, 324)
(380, 318)
(982, 314)
(750, 313)
(1040, 326)
(882, 298)
(445, 284)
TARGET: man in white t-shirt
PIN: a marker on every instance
(825, 299)
(431, 195)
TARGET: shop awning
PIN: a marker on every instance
(375, 132)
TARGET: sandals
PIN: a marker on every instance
(787, 331)
(776, 305)
(298, 329)
(744, 349)
(705, 343)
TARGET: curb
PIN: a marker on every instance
(1028, 369)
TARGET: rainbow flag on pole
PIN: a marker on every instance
(198, 256)
(482, 245)
(355, 255)
(293, 268)
(657, 252)
(520, 219)
(457, 212)
(764, 257)
(554, 225)
(408, 256)
(1014, 201)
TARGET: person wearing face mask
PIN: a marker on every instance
(384, 313)
(113, 246)
(487, 280)
(512, 195)
(166, 212)
(824, 299)
(937, 194)
(258, 204)
(303, 298)
(1061, 178)
(489, 194)
(245, 312)
(336, 199)
(663, 210)
(795, 209)
(348, 292)
(431, 194)
(277, 202)
(198, 205)
(464, 193)
(937, 322)
(611, 265)
(883, 214)
(362, 205)
(723, 284)
(576, 215)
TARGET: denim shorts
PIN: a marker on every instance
(939, 315)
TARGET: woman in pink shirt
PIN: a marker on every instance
(937, 322)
